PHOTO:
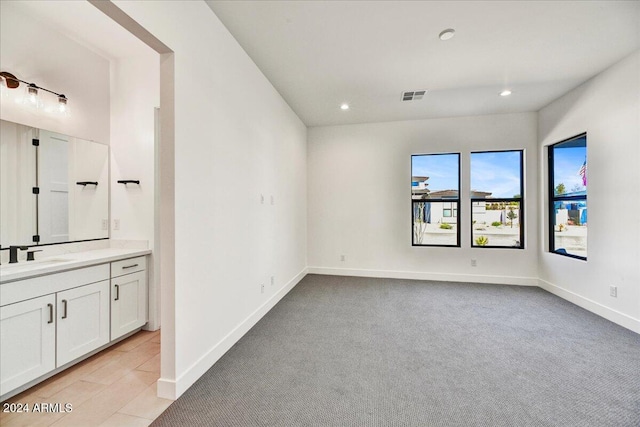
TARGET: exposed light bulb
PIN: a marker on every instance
(505, 92)
(344, 107)
(31, 96)
(63, 106)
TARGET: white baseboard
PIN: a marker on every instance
(170, 389)
(621, 319)
(166, 389)
(420, 275)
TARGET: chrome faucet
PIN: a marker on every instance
(13, 253)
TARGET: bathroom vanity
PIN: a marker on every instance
(82, 292)
(57, 311)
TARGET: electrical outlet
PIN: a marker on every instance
(273, 281)
(342, 258)
(613, 291)
(116, 224)
(474, 262)
(105, 224)
(262, 288)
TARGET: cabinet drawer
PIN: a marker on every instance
(21, 290)
(127, 266)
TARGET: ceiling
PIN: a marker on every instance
(320, 54)
(85, 24)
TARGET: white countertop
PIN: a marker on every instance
(70, 261)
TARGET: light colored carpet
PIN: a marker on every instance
(346, 351)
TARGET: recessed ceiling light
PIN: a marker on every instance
(447, 34)
(505, 92)
(344, 107)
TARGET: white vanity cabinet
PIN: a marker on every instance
(27, 341)
(50, 321)
(128, 296)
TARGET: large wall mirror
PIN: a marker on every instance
(54, 188)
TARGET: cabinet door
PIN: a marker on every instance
(128, 303)
(27, 341)
(83, 320)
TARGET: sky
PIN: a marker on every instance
(497, 172)
(442, 170)
(494, 172)
(568, 162)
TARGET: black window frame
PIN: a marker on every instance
(438, 200)
(552, 198)
(500, 200)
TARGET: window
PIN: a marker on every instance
(497, 199)
(568, 197)
(435, 199)
(449, 210)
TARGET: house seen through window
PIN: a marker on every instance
(497, 199)
(435, 199)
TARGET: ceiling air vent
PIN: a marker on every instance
(414, 95)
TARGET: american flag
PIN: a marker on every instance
(583, 173)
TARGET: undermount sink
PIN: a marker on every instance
(49, 261)
(32, 264)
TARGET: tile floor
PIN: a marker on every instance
(116, 387)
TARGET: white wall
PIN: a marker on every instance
(235, 139)
(88, 210)
(35, 53)
(607, 107)
(135, 92)
(360, 199)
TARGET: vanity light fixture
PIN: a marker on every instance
(505, 92)
(447, 34)
(32, 90)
